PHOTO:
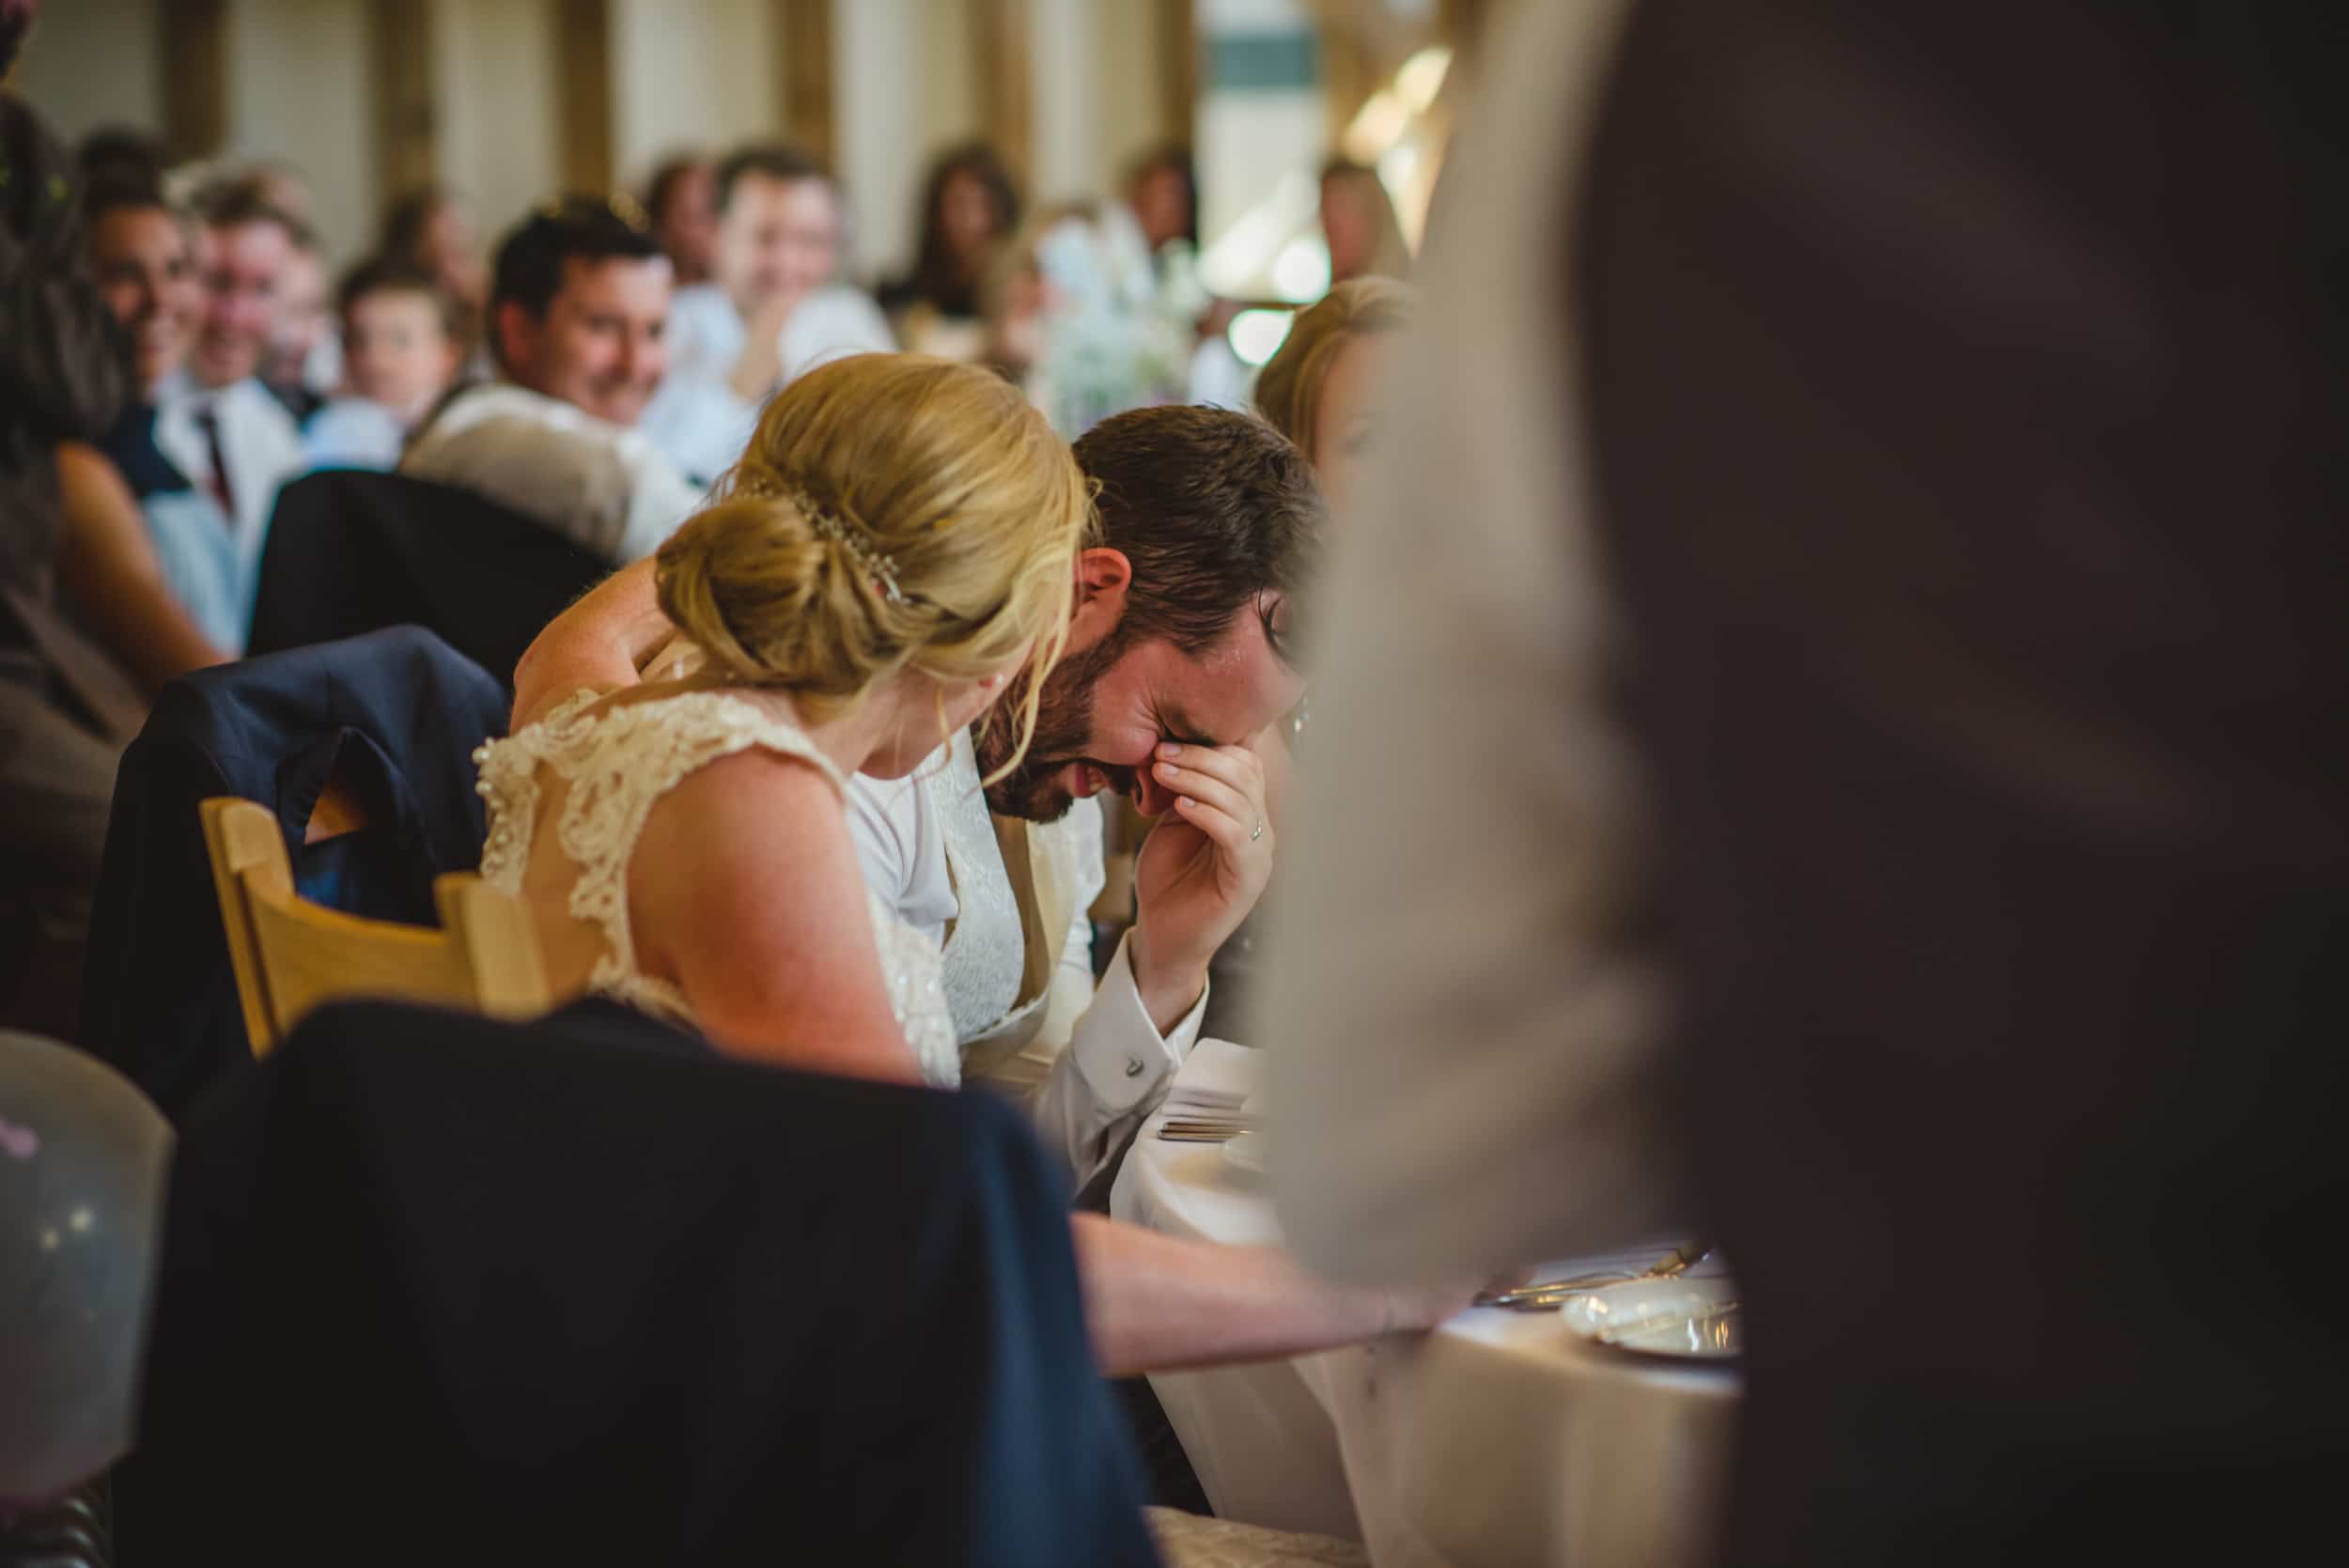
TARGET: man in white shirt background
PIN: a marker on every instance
(214, 419)
(579, 307)
(770, 312)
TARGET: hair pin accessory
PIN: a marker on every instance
(875, 563)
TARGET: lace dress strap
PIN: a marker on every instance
(615, 764)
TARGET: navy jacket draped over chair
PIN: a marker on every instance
(442, 1289)
(392, 717)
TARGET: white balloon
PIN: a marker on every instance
(83, 1158)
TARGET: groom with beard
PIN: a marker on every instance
(1176, 664)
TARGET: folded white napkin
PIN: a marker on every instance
(1218, 1077)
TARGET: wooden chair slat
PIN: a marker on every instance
(292, 955)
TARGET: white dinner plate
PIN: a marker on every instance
(1245, 1153)
(1694, 1319)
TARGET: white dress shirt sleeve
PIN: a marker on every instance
(699, 423)
(352, 432)
(829, 324)
(1110, 1066)
(696, 418)
(1097, 1063)
(658, 498)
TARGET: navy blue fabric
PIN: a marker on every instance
(441, 1289)
(130, 443)
(396, 714)
(350, 551)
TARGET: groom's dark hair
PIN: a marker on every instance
(1217, 512)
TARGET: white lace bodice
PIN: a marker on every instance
(984, 952)
(614, 764)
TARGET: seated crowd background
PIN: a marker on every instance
(593, 376)
(593, 380)
(1800, 753)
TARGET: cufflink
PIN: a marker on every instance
(1133, 1066)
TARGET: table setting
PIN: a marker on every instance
(1582, 1416)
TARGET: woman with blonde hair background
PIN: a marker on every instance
(1358, 221)
(1317, 391)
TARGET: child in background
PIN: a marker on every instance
(400, 355)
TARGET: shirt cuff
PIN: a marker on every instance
(1124, 1058)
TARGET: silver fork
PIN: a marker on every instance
(1548, 1296)
(1204, 1129)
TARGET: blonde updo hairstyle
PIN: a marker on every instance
(939, 474)
(1288, 390)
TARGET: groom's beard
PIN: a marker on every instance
(1064, 724)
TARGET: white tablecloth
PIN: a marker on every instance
(1500, 1438)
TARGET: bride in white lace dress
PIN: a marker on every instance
(894, 544)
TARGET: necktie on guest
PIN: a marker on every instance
(208, 420)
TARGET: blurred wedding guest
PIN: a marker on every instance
(1317, 389)
(1163, 195)
(130, 506)
(284, 186)
(120, 574)
(205, 447)
(431, 231)
(142, 258)
(578, 309)
(1358, 223)
(770, 312)
(245, 247)
(121, 154)
(1904, 677)
(401, 354)
(681, 205)
(970, 205)
(1159, 219)
(1016, 304)
(301, 366)
(66, 707)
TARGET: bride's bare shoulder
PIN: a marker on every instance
(748, 833)
(754, 803)
(745, 893)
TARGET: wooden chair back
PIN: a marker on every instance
(291, 955)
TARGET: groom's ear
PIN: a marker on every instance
(1104, 577)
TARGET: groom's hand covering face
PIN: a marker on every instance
(1174, 733)
(1105, 710)
(1206, 862)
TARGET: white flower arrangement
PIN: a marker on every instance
(1120, 335)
